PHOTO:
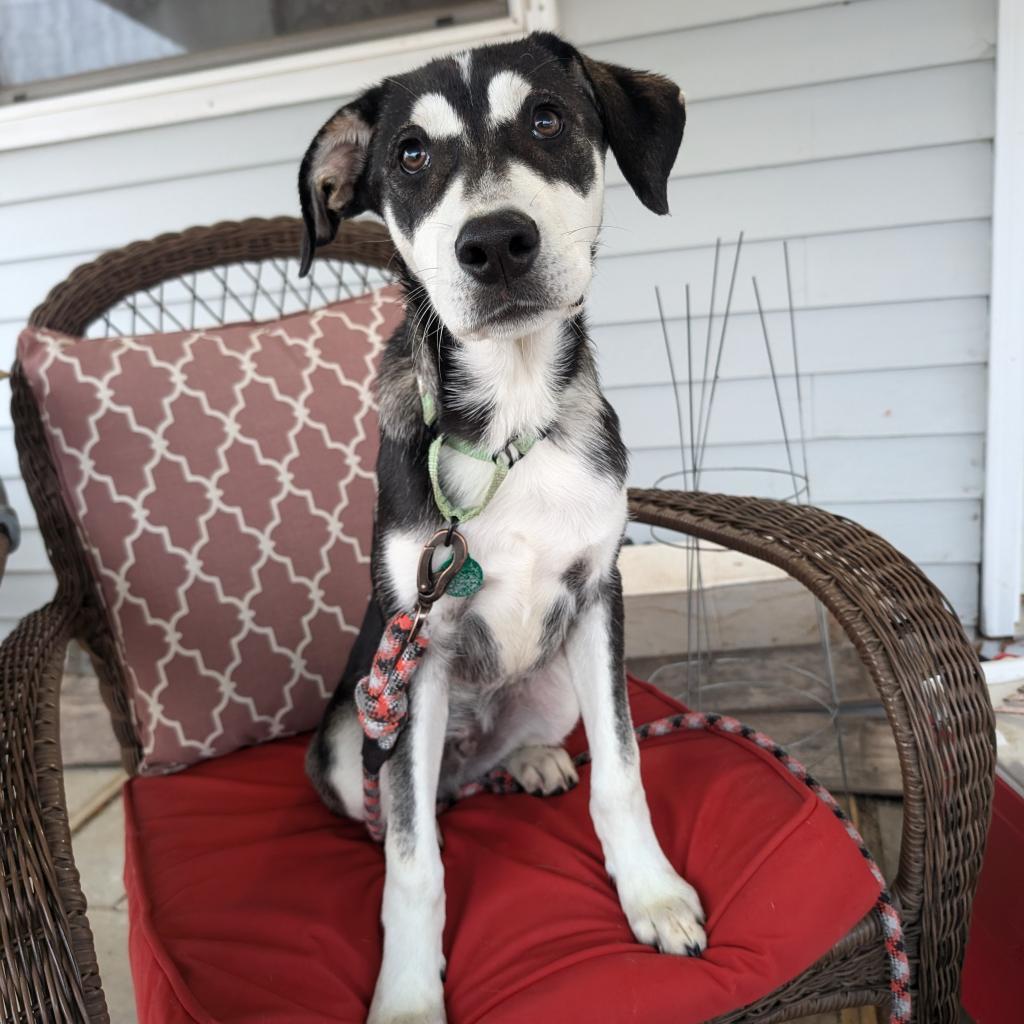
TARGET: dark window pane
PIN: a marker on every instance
(55, 46)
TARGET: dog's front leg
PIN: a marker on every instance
(409, 987)
(662, 909)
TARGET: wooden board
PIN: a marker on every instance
(824, 44)
(834, 340)
(903, 110)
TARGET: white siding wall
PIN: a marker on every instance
(861, 131)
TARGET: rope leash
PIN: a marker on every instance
(382, 697)
(500, 781)
(382, 704)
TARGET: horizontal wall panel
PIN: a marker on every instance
(112, 218)
(917, 186)
(960, 584)
(174, 151)
(881, 113)
(24, 592)
(928, 400)
(938, 532)
(823, 44)
(9, 468)
(742, 411)
(928, 532)
(834, 340)
(25, 283)
(841, 471)
(935, 261)
(925, 401)
(826, 197)
(593, 21)
(904, 110)
(18, 499)
(31, 554)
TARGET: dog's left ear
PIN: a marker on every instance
(644, 115)
(331, 176)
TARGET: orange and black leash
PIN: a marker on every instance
(382, 696)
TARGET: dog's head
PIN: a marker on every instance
(488, 168)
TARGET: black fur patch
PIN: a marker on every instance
(611, 594)
(556, 625)
(576, 579)
(605, 451)
(475, 652)
(402, 787)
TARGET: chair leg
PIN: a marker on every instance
(937, 995)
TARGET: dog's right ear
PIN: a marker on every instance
(332, 172)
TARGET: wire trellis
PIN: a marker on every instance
(707, 674)
(237, 292)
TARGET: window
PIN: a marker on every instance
(75, 69)
(55, 47)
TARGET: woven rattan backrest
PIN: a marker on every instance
(230, 272)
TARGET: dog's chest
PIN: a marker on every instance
(544, 542)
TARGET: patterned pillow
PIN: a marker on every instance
(223, 483)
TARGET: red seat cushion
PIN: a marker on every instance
(250, 902)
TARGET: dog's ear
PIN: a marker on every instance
(644, 115)
(331, 176)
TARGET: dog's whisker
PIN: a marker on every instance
(395, 81)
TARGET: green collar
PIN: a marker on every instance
(503, 461)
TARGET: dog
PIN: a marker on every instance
(488, 169)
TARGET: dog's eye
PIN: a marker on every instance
(413, 156)
(547, 123)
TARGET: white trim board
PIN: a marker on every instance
(1003, 518)
(337, 71)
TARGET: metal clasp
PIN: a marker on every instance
(431, 585)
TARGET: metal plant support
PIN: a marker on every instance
(706, 677)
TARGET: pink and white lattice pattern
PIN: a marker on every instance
(223, 484)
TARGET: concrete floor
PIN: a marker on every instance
(97, 817)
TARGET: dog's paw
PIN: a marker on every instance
(666, 914)
(542, 771)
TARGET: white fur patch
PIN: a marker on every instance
(506, 94)
(511, 377)
(437, 117)
(465, 62)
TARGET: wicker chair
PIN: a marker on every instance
(910, 641)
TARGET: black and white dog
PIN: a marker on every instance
(488, 169)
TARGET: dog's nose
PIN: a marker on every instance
(498, 246)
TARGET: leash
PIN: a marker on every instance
(382, 696)
(500, 781)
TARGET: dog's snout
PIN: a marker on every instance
(498, 246)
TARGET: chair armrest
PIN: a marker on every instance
(48, 968)
(928, 677)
